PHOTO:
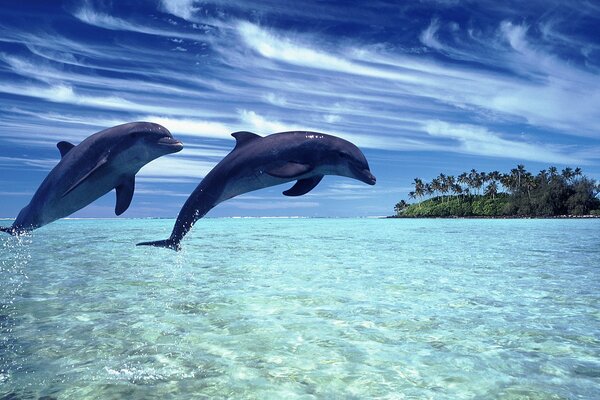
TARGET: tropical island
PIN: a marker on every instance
(518, 193)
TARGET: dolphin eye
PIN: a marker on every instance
(345, 155)
(139, 135)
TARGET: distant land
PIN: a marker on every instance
(516, 194)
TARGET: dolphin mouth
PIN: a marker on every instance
(368, 177)
(172, 143)
(365, 175)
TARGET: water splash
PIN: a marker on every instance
(14, 259)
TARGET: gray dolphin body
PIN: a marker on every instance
(106, 160)
(258, 162)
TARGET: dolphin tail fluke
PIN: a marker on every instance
(168, 243)
(8, 229)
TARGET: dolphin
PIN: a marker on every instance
(258, 162)
(106, 160)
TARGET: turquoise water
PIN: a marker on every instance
(303, 308)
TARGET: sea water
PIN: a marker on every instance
(303, 309)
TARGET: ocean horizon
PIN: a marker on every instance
(302, 308)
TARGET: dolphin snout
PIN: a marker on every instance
(170, 142)
(365, 176)
(369, 178)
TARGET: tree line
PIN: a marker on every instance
(517, 193)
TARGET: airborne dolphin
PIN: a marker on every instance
(106, 160)
(258, 162)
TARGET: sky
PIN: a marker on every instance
(422, 87)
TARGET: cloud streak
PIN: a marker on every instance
(479, 140)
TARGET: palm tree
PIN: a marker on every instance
(517, 176)
(509, 182)
(435, 185)
(451, 183)
(529, 183)
(542, 177)
(478, 180)
(428, 189)
(400, 206)
(411, 195)
(443, 185)
(458, 190)
(463, 179)
(494, 176)
(520, 173)
(473, 177)
(491, 189)
(567, 173)
(419, 188)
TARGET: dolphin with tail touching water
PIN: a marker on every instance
(106, 160)
(258, 162)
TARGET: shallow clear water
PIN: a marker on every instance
(303, 308)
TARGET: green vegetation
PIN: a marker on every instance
(516, 194)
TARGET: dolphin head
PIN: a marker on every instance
(345, 159)
(146, 141)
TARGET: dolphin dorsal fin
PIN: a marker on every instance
(64, 147)
(244, 137)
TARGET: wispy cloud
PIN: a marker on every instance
(428, 36)
(67, 94)
(193, 127)
(184, 9)
(472, 139)
(93, 17)
(32, 163)
(177, 167)
(547, 101)
(282, 49)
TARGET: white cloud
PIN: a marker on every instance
(192, 127)
(177, 167)
(428, 36)
(515, 34)
(550, 98)
(181, 8)
(92, 17)
(34, 163)
(263, 125)
(332, 118)
(281, 49)
(61, 93)
(275, 99)
(479, 140)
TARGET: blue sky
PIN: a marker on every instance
(422, 87)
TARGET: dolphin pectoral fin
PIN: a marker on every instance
(289, 170)
(303, 186)
(124, 194)
(82, 179)
(244, 137)
(64, 147)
